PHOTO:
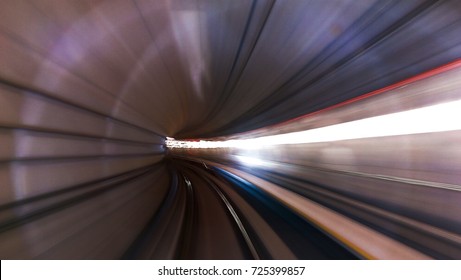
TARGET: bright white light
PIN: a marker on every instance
(251, 161)
(436, 118)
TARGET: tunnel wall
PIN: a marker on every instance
(92, 179)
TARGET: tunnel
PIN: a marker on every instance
(219, 129)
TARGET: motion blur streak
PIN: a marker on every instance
(91, 89)
(435, 118)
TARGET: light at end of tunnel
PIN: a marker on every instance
(436, 118)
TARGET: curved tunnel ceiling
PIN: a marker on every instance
(90, 89)
(190, 69)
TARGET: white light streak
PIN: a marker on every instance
(436, 118)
